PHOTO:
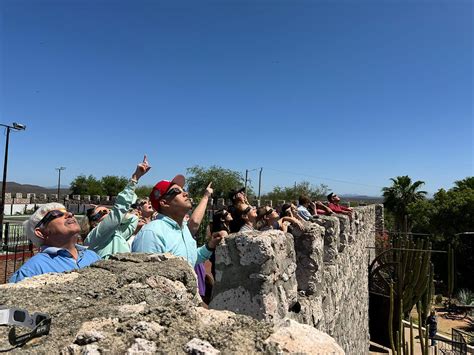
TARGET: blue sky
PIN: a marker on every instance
(345, 93)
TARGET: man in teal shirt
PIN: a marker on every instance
(169, 233)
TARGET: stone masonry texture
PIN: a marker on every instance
(256, 275)
(147, 304)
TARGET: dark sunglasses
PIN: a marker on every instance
(171, 193)
(247, 210)
(51, 215)
(269, 212)
(98, 215)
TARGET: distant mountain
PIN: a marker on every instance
(362, 198)
(13, 187)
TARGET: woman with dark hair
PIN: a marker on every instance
(221, 221)
(268, 219)
(109, 229)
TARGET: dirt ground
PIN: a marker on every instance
(445, 324)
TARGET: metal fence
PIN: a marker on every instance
(15, 249)
(460, 341)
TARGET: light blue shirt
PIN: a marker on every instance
(51, 259)
(304, 213)
(164, 235)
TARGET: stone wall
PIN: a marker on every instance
(146, 304)
(317, 276)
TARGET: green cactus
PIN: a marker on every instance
(412, 285)
(450, 272)
(390, 319)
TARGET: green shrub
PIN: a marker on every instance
(465, 297)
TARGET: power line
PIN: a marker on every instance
(323, 178)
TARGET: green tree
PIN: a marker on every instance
(464, 184)
(113, 185)
(399, 196)
(291, 193)
(447, 214)
(89, 185)
(143, 191)
(223, 180)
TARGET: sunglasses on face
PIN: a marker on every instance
(269, 212)
(171, 193)
(98, 215)
(247, 210)
(51, 215)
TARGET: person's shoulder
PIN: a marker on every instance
(32, 264)
(91, 254)
(37, 258)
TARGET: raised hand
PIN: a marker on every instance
(209, 190)
(142, 169)
(216, 239)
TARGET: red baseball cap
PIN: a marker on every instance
(162, 187)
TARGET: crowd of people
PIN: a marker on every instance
(166, 222)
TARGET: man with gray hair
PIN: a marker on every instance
(55, 231)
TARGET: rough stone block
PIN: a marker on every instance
(76, 197)
(53, 197)
(269, 203)
(18, 195)
(8, 195)
(331, 237)
(86, 198)
(96, 198)
(43, 197)
(256, 275)
(146, 304)
(105, 198)
(31, 196)
(309, 248)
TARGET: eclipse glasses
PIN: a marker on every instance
(39, 323)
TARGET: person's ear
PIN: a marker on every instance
(163, 203)
(40, 234)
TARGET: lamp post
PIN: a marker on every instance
(17, 127)
(59, 177)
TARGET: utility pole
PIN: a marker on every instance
(246, 177)
(259, 182)
(59, 177)
(17, 127)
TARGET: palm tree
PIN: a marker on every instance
(398, 196)
(464, 184)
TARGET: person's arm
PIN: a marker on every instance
(294, 221)
(198, 213)
(106, 227)
(205, 252)
(128, 226)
